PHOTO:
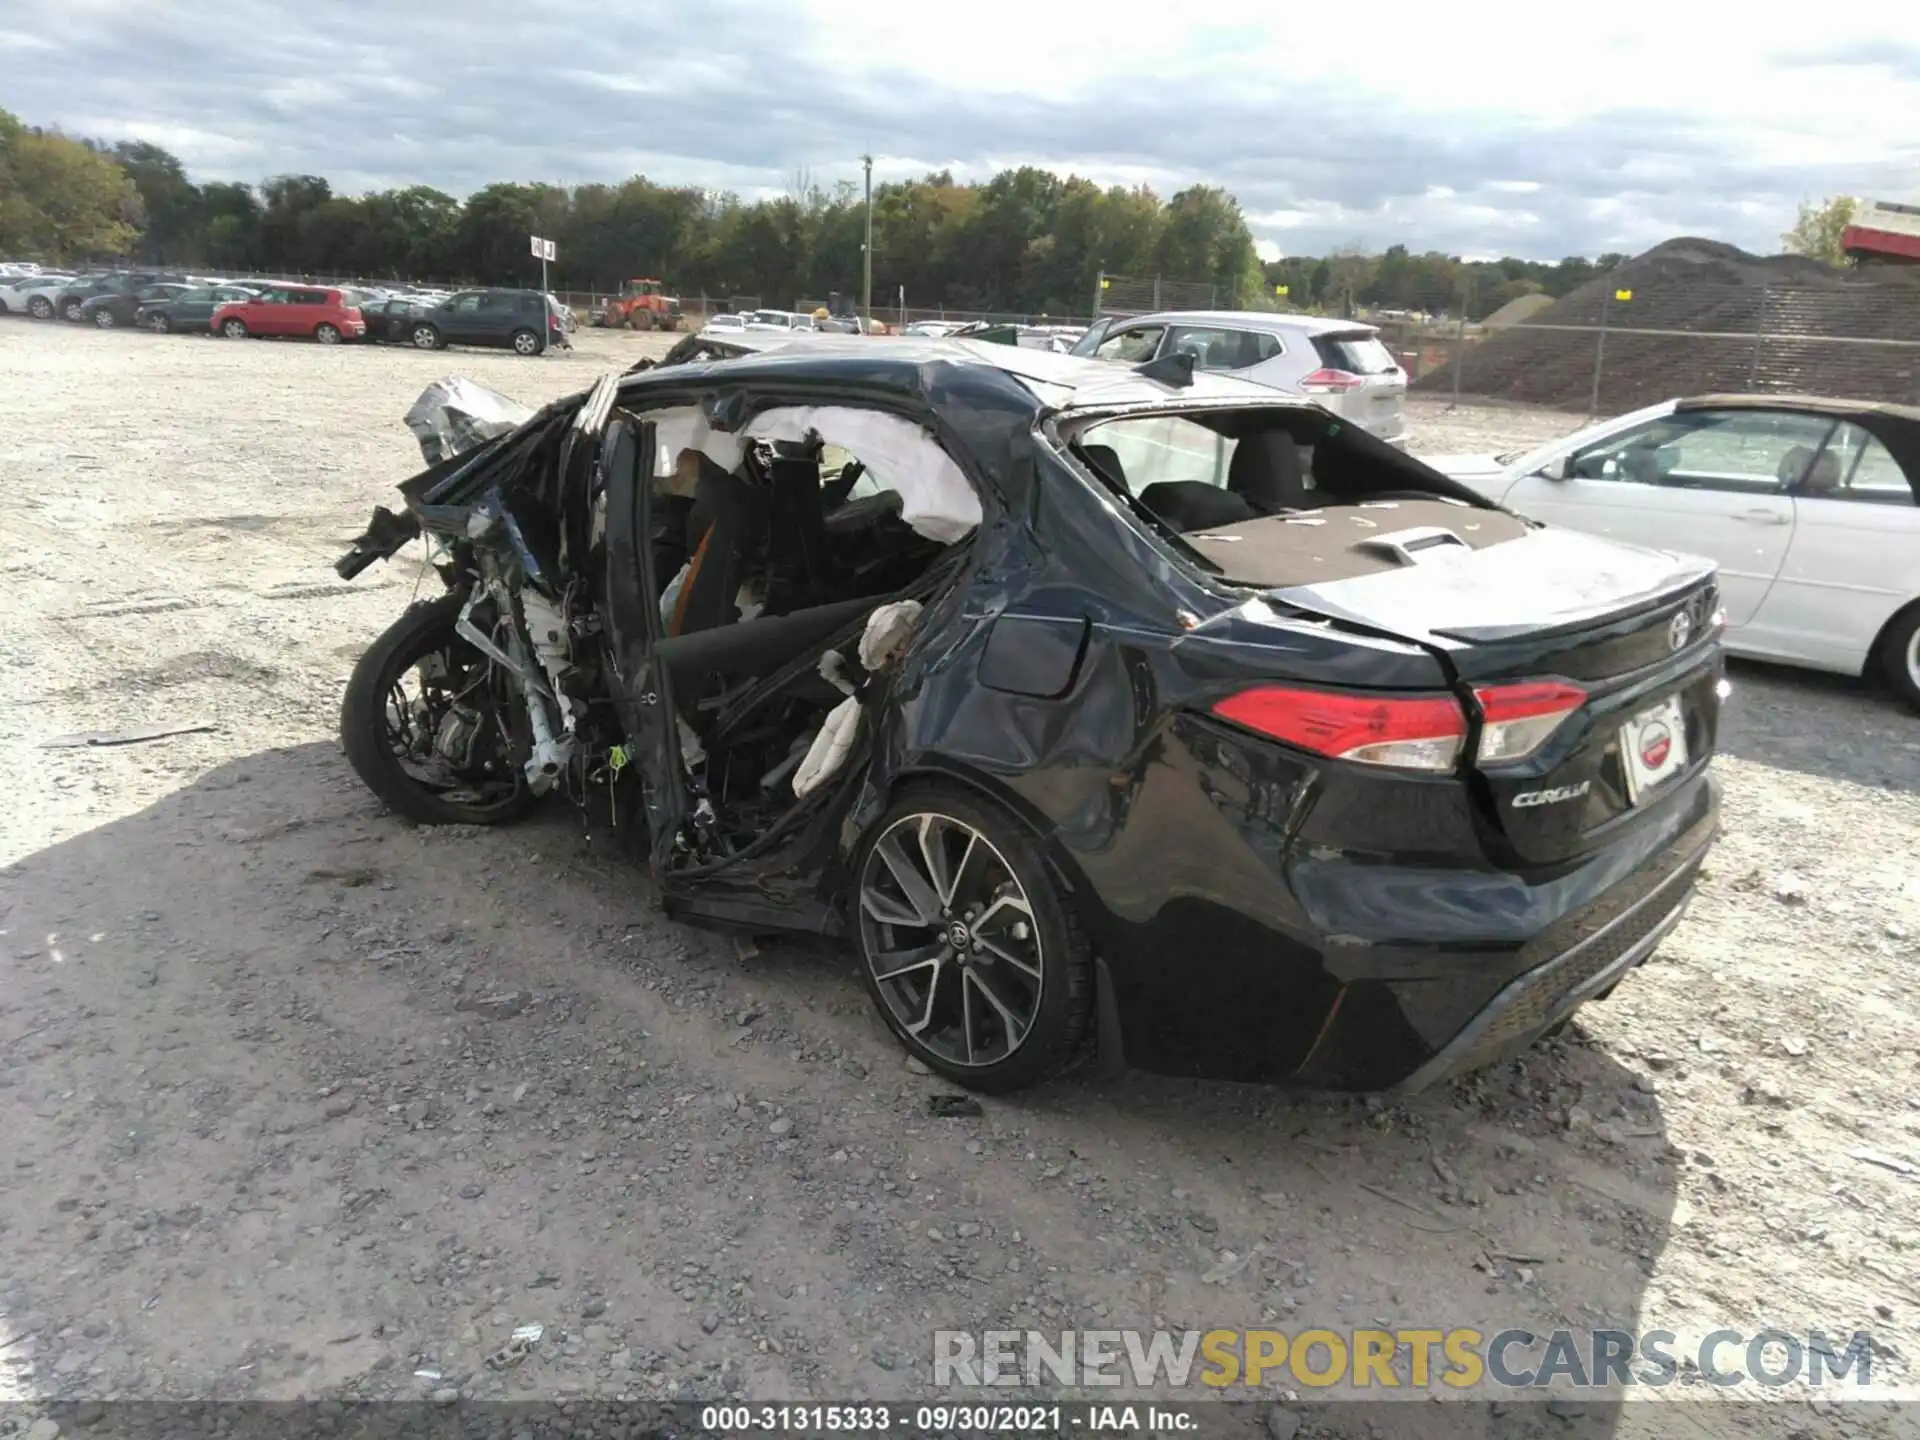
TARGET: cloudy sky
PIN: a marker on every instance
(1476, 127)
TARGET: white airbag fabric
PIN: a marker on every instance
(687, 429)
(888, 630)
(936, 499)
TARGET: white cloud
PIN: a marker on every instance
(1483, 126)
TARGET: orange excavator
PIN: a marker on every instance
(640, 305)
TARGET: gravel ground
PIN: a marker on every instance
(301, 1101)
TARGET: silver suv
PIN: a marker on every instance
(1340, 363)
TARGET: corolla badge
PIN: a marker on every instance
(1528, 799)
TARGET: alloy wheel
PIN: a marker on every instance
(950, 939)
(1913, 660)
(104, 319)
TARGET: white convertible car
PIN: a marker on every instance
(1811, 508)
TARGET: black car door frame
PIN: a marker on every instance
(642, 692)
(775, 886)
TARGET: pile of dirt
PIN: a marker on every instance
(1702, 316)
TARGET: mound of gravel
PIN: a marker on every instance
(1719, 319)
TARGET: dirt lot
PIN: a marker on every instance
(262, 1139)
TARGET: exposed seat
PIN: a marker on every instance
(748, 649)
(1267, 474)
(722, 530)
(1189, 505)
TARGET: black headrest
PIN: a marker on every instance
(1189, 505)
(1266, 472)
(716, 492)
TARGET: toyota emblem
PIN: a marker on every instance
(1678, 631)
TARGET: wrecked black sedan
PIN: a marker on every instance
(1142, 707)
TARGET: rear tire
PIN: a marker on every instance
(70, 312)
(525, 342)
(159, 324)
(105, 319)
(424, 629)
(425, 337)
(941, 865)
(326, 334)
(1900, 656)
(234, 328)
(39, 307)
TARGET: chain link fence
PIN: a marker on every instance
(1621, 348)
(1125, 295)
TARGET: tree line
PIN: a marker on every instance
(1027, 241)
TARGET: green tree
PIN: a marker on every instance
(175, 225)
(60, 200)
(231, 233)
(1205, 237)
(287, 238)
(1817, 229)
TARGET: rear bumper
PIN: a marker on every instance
(1539, 999)
(1269, 924)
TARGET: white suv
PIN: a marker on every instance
(1339, 363)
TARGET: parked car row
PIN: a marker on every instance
(528, 322)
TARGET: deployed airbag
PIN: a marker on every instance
(888, 630)
(936, 499)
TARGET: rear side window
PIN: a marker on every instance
(532, 304)
(1856, 466)
(1356, 354)
(1157, 449)
(1750, 452)
(309, 297)
(1215, 348)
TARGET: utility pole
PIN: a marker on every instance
(866, 253)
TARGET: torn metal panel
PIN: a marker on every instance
(454, 415)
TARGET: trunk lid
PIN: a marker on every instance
(1543, 598)
(1631, 628)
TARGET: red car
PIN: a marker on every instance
(329, 316)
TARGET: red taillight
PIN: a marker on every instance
(1415, 732)
(1517, 720)
(1323, 382)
